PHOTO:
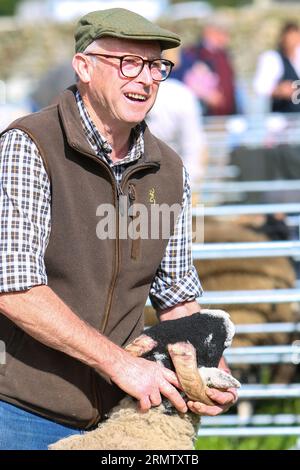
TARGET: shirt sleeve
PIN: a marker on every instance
(176, 279)
(25, 208)
(268, 73)
(192, 138)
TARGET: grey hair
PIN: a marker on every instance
(93, 47)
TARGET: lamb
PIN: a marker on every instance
(192, 346)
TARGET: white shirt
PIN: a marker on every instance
(270, 70)
(176, 119)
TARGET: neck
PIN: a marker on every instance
(290, 52)
(116, 133)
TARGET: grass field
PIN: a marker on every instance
(259, 442)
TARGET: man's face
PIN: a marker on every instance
(123, 99)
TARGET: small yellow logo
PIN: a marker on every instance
(152, 196)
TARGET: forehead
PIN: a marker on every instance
(124, 46)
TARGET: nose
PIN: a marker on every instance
(145, 76)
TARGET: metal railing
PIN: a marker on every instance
(260, 392)
(278, 296)
(251, 328)
(247, 209)
(286, 419)
(248, 431)
(222, 137)
(245, 250)
(283, 354)
(249, 186)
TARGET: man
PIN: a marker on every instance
(72, 298)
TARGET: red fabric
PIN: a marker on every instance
(219, 62)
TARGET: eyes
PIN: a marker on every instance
(131, 65)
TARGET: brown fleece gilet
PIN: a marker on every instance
(105, 282)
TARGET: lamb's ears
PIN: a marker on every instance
(184, 359)
(141, 345)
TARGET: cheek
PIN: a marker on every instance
(154, 94)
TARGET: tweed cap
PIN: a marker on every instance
(123, 24)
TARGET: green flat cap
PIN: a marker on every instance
(121, 23)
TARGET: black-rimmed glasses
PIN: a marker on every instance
(132, 65)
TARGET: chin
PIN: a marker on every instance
(134, 121)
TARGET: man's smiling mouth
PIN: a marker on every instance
(136, 97)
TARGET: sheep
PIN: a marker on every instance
(192, 346)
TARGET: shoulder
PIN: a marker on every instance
(37, 126)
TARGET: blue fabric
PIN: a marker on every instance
(20, 430)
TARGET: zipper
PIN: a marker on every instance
(136, 242)
(120, 209)
(119, 192)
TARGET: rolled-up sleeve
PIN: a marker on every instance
(25, 210)
(176, 279)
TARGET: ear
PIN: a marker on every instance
(83, 67)
(141, 345)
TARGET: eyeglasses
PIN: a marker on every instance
(132, 65)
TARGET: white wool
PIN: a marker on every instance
(160, 357)
(229, 326)
(208, 340)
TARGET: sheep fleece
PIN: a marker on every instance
(127, 429)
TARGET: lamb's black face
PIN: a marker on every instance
(207, 333)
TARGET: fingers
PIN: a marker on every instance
(223, 401)
(155, 399)
(223, 398)
(148, 401)
(175, 398)
(145, 404)
(205, 410)
(171, 377)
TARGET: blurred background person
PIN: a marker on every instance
(207, 69)
(51, 84)
(278, 69)
(176, 118)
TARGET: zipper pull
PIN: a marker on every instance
(131, 192)
(122, 200)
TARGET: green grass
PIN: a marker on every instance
(246, 443)
(257, 442)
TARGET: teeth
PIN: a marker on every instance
(136, 96)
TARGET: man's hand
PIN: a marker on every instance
(223, 400)
(147, 381)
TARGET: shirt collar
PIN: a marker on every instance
(100, 145)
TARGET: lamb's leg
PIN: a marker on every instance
(218, 378)
(185, 362)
